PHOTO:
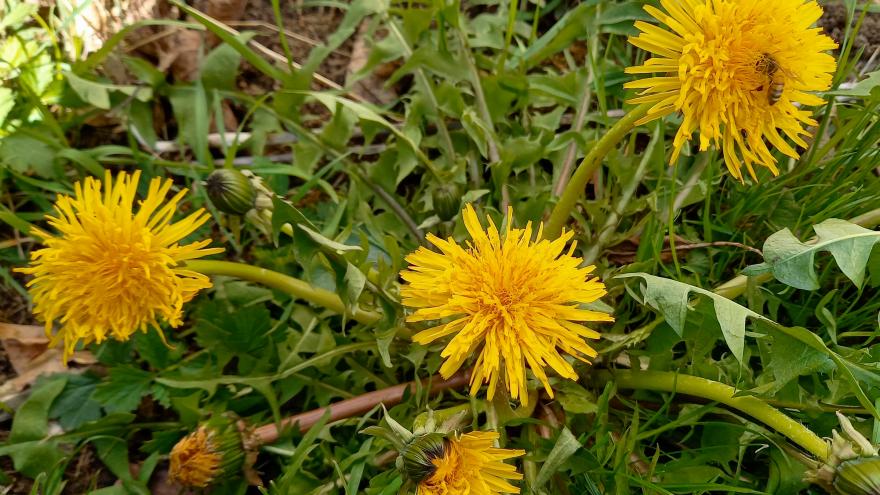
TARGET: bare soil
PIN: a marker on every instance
(833, 21)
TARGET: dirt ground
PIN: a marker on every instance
(868, 39)
(312, 25)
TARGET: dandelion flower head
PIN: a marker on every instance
(513, 300)
(739, 71)
(471, 464)
(195, 460)
(110, 270)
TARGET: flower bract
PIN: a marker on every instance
(472, 465)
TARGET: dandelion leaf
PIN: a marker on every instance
(791, 358)
(670, 298)
(863, 88)
(732, 318)
(792, 261)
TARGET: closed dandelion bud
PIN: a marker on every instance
(211, 454)
(447, 199)
(231, 191)
(418, 456)
(859, 476)
(853, 464)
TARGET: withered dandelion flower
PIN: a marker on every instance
(110, 270)
(470, 464)
(738, 71)
(214, 453)
(514, 300)
(195, 460)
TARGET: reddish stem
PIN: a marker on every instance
(354, 406)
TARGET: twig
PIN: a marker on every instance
(153, 38)
(218, 140)
(353, 407)
(695, 245)
(280, 58)
(15, 242)
(289, 34)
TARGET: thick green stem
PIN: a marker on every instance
(587, 168)
(665, 381)
(293, 286)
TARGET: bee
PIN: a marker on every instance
(768, 66)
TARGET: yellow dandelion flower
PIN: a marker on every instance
(211, 454)
(515, 299)
(472, 465)
(195, 460)
(738, 71)
(109, 270)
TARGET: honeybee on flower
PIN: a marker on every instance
(740, 72)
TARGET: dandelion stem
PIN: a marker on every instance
(293, 286)
(575, 187)
(665, 381)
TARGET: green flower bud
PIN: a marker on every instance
(860, 476)
(852, 466)
(231, 191)
(447, 200)
(416, 458)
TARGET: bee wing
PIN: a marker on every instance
(790, 75)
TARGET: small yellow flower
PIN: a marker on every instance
(514, 299)
(471, 465)
(721, 61)
(195, 460)
(110, 270)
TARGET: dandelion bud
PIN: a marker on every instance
(231, 191)
(853, 465)
(211, 454)
(447, 199)
(418, 456)
(858, 477)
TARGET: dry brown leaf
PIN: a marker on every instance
(25, 334)
(48, 362)
(26, 348)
